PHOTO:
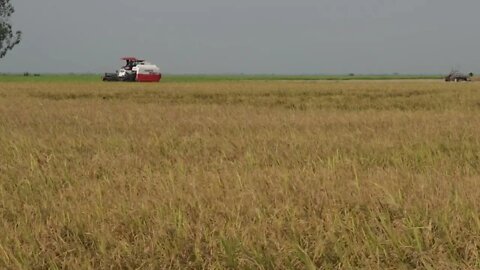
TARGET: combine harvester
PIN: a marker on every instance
(135, 70)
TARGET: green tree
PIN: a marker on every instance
(8, 38)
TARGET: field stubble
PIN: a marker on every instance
(247, 175)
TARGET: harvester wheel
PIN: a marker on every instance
(129, 78)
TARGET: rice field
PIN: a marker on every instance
(240, 174)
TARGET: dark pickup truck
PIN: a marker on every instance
(458, 77)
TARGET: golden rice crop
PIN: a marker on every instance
(240, 175)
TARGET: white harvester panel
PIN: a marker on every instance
(147, 72)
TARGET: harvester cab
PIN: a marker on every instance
(135, 70)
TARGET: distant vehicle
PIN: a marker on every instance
(135, 70)
(456, 76)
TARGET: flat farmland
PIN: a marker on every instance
(240, 175)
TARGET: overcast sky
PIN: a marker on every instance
(248, 36)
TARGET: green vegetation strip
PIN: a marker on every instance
(214, 78)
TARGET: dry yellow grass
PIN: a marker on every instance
(242, 175)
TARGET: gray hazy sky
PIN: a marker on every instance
(248, 36)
